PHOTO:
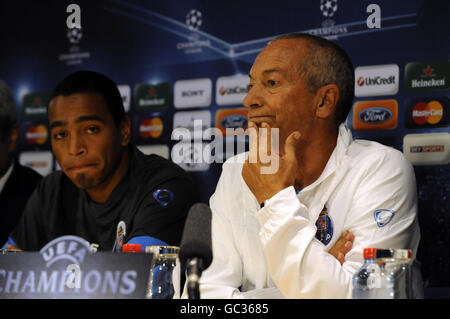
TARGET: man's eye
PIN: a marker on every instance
(93, 129)
(272, 82)
(59, 135)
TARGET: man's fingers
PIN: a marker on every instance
(265, 140)
(253, 142)
(291, 144)
(343, 245)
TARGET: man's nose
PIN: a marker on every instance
(76, 145)
(254, 98)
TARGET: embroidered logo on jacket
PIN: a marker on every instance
(383, 216)
(324, 226)
(163, 196)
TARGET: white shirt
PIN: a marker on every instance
(5, 177)
(367, 188)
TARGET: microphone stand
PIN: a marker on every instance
(194, 271)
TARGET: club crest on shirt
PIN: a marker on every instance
(383, 216)
(163, 196)
(324, 226)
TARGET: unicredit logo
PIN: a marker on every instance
(377, 80)
(233, 90)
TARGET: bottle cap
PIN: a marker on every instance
(131, 248)
(369, 253)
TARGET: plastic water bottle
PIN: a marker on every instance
(367, 280)
(397, 277)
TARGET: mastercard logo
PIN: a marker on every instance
(151, 127)
(37, 134)
(431, 113)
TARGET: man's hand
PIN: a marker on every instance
(264, 186)
(342, 246)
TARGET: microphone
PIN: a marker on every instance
(196, 248)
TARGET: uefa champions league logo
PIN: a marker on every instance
(74, 35)
(328, 7)
(194, 19)
(196, 41)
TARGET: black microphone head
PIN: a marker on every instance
(196, 240)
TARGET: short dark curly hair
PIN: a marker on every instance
(93, 82)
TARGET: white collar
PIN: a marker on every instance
(5, 177)
(338, 157)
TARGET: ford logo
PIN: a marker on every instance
(234, 121)
(375, 115)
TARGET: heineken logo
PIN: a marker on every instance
(34, 105)
(427, 76)
(151, 97)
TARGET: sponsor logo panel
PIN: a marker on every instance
(427, 112)
(194, 121)
(39, 161)
(36, 134)
(125, 92)
(375, 115)
(376, 80)
(192, 157)
(34, 105)
(231, 89)
(192, 93)
(427, 76)
(151, 97)
(234, 118)
(427, 149)
(151, 127)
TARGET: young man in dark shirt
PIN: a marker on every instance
(103, 179)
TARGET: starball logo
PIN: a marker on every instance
(74, 34)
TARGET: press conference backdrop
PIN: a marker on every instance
(177, 62)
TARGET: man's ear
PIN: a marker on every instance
(13, 137)
(326, 99)
(125, 131)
